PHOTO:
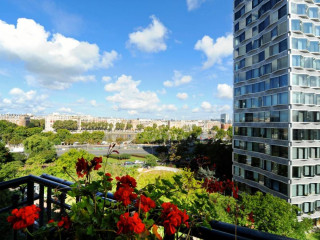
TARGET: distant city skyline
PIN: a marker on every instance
(123, 59)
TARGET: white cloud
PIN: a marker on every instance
(215, 51)
(7, 101)
(182, 96)
(178, 79)
(106, 78)
(195, 110)
(132, 112)
(206, 106)
(23, 102)
(150, 39)
(168, 107)
(129, 97)
(193, 4)
(224, 91)
(108, 58)
(93, 103)
(52, 60)
(65, 110)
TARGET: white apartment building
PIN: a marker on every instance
(277, 100)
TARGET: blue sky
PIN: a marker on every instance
(167, 59)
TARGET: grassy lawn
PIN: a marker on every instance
(314, 236)
(145, 178)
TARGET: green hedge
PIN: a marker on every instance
(120, 156)
(139, 155)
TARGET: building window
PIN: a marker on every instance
(296, 172)
(308, 171)
(249, 20)
(282, 11)
(295, 25)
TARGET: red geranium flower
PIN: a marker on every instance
(109, 178)
(145, 203)
(83, 167)
(95, 163)
(173, 218)
(126, 181)
(65, 222)
(228, 208)
(128, 224)
(251, 219)
(23, 217)
(51, 221)
(125, 195)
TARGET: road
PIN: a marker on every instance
(99, 152)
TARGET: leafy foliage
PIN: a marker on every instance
(66, 124)
(68, 161)
(151, 160)
(275, 215)
(36, 144)
(164, 134)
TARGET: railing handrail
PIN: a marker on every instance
(219, 229)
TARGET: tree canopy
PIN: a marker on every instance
(66, 124)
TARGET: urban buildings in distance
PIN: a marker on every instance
(23, 120)
(20, 120)
(277, 100)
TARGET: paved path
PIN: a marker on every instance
(159, 168)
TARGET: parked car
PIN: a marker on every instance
(138, 162)
(129, 163)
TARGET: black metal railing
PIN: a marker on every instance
(220, 230)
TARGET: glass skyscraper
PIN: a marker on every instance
(277, 100)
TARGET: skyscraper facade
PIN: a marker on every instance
(277, 100)
(224, 118)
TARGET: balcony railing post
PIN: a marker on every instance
(30, 199)
(30, 193)
(15, 201)
(62, 201)
(49, 193)
(41, 204)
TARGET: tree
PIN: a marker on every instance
(275, 215)
(151, 160)
(36, 123)
(220, 134)
(67, 124)
(9, 170)
(230, 133)
(63, 134)
(120, 126)
(68, 161)
(5, 155)
(196, 132)
(129, 126)
(215, 128)
(97, 137)
(140, 127)
(36, 144)
(9, 166)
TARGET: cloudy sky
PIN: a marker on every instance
(116, 58)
